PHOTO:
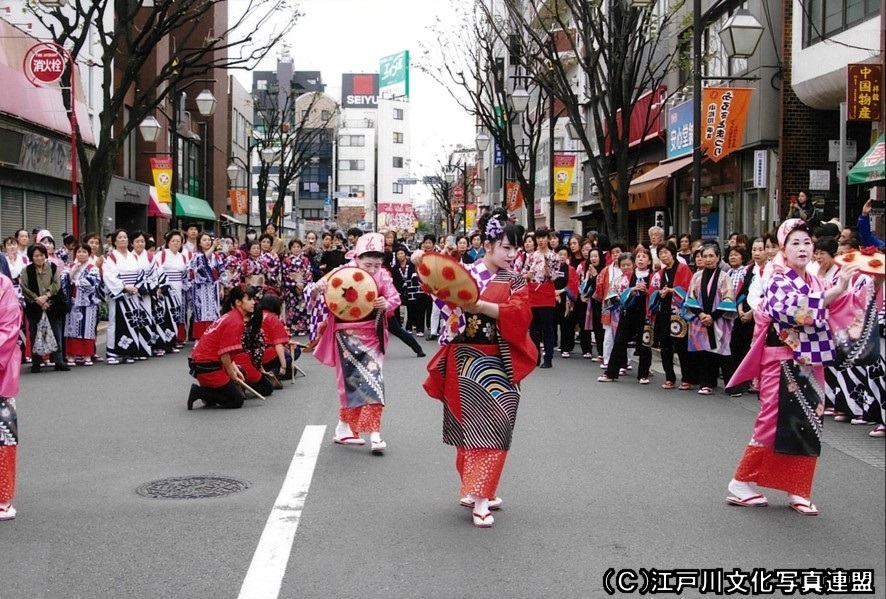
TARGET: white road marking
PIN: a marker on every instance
(265, 574)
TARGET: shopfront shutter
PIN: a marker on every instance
(58, 217)
(643, 219)
(35, 211)
(12, 214)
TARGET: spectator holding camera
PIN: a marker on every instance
(804, 209)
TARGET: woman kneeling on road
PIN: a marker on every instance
(212, 361)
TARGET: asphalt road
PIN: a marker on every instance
(600, 476)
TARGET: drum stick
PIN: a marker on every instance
(251, 390)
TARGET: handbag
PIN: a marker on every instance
(59, 306)
(44, 341)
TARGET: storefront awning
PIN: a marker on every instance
(192, 207)
(585, 214)
(155, 207)
(657, 177)
(871, 168)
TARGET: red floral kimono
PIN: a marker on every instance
(476, 374)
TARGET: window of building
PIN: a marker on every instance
(352, 140)
(398, 188)
(398, 162)
(312, 213)
(398, 114)
(325, 115)
(351, 165)
(398, 137)
(823, 19)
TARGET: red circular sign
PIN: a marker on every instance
(44, 63)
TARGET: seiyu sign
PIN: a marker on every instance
(359, 90)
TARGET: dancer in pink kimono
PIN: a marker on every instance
(10, 368)
(356, 349)
(792, 341)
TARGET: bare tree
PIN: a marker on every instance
(295, 127)
(600, 57)
(470, 55)
(126, 36)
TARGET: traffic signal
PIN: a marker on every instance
(356, 194)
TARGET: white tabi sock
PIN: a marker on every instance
(343, 430)
(481, 505)
(375, 437)
(740, 489)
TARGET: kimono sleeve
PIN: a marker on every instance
(88, 280)
(10, 323)
(389, 291)
(791, 306)
(151, 279)
(230, 332)
(516, 313)
(275, 331)
(692, 301)
(111, 277)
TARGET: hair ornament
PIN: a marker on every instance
(494, 229)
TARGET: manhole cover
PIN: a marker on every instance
(192, 487)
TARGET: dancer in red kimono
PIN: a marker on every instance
(477, 371)
(792, 341)
(10, 368)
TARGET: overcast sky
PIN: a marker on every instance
(350, 36)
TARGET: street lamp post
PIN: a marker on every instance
(476, 190)
(740, 35)
(234, 177)
(449, 174)
(551, 206)
(150, 130)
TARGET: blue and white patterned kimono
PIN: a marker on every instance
(204, 273)
(85, 285)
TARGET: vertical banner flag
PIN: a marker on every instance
(724, 112)
(470, 215)
(161, 168)
(238, 201)
(514, 196)
(564, 168)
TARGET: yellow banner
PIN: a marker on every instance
(470, 216)
(161, 168)
(724, 111)
(564, 169)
